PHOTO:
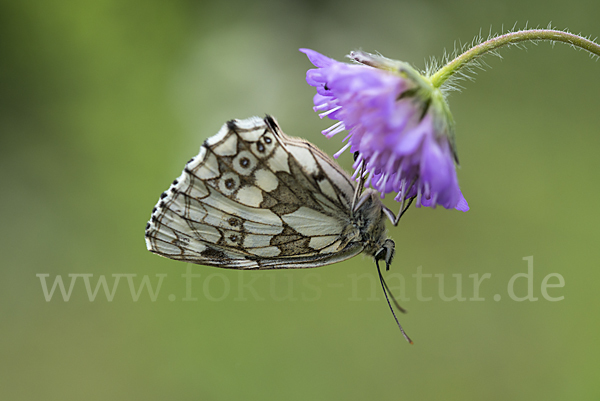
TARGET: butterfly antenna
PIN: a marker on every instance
(401, 309)
(385, 291)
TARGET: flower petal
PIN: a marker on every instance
(318, 59)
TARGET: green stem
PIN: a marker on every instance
(472, 54)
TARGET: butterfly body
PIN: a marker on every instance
(255, 198)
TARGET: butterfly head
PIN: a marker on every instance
(386, 253)
(370, 219)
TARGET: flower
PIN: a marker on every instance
(400, 126)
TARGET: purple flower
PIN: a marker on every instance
(399, 124)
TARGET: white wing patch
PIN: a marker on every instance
(250, 196)
(251, 124)
(322, 242)
(310, 223)
(227, 148)
(333, 248)
(327, 189)
(305, 158)
(264, 229)
(197, 190)
(254, 198)
(205, 232)
(257, 241)
(266, 180)
(207, 168)
(269, 251)
(339, 178)
(279, 161)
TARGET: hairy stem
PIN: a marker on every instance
(475, 52)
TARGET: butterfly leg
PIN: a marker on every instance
(404, 205)
(357, 200)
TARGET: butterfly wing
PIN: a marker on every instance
(254, 198)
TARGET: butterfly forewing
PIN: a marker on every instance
(254, 198)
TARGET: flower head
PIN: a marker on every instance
(399, 126)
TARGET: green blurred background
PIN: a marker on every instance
(102, 103)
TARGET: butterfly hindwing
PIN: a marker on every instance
(254, 198)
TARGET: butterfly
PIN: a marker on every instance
(255, 198)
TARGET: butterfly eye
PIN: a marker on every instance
(244, 163)
(263, 147)
(233, 222)
(229, 183)
(233, 238)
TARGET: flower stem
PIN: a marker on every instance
(533, 35)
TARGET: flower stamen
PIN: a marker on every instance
(328, 112)
(339, 152)
(321, 106)
(334, 129)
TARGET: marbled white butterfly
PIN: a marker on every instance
(255, 198)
